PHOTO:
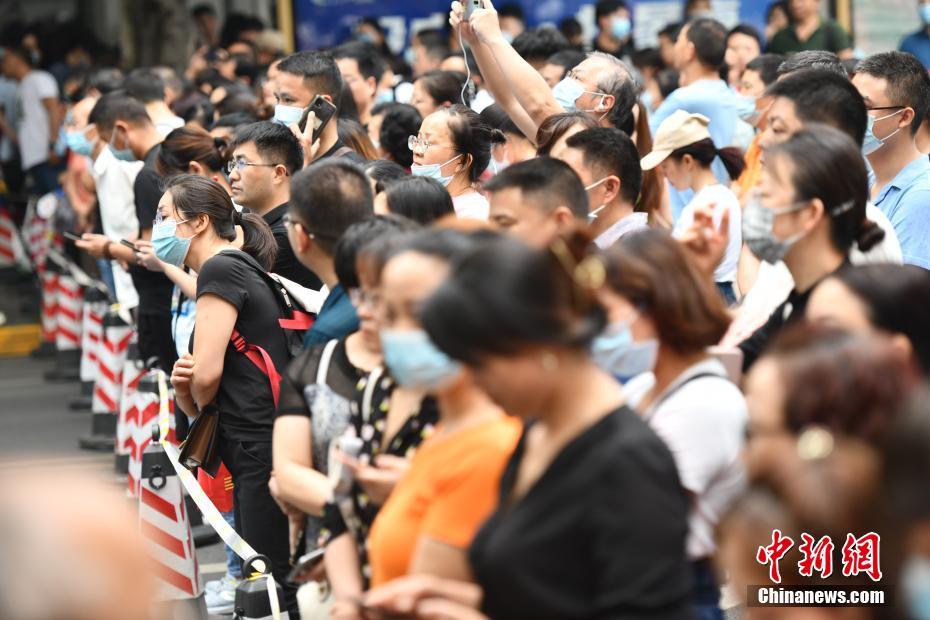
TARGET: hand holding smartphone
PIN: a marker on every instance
(470, 6)
(323, 111)
(71, 236)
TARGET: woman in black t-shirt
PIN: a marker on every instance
(591, 519)
(196, 227)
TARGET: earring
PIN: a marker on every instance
(549, 361)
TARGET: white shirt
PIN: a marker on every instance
(471, 206)
(9, 102)
(166, 125)
(703, 423)
(482, 100)
(624, 226)
(117, 203)
(724, 199)
(33, 132)
(774, 282)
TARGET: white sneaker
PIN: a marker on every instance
(221, 599)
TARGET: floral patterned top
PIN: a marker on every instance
(367, 423)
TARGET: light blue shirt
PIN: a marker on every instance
(715, 100)
(906, 202)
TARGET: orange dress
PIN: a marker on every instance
(450, 489)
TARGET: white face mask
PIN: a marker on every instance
(593, 214)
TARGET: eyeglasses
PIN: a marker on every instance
(358, 297)
(240, 164)
(421, 145)
(287, 220)
(885, 107)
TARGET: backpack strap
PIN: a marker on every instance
(260, 358)
(342, 152)
(674, 388)
(322, 371)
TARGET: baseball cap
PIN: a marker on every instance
(677, 131)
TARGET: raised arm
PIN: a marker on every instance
(497, 83)
(529, 87)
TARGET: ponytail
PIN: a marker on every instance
(705, 151)
(258, 241)
(733, 161)
(870, 235)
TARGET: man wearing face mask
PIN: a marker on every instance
(299, 79)
(606, 162)
(122, 124)
(616, 30)
(896, 90)
(918, 43)
(601, 85)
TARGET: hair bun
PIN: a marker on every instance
(237, 217)
(870, 235)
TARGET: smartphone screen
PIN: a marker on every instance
(72, 236)
(323, 112)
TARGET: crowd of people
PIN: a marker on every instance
(553, 330)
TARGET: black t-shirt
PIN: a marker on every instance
(601, 534)
(245, 400)
(342, 377)
(286, 263)
(154, 288)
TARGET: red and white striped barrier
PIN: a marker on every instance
(49, 306)
(38, 234)
(11, 248)
(133, 372)
(140, 416)
(95, 307)
(165, 524)
(70, 313)
(111, 355)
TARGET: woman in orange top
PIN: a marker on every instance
(452, 484)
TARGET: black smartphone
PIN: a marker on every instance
(306, 565)
(129, 244)
(470, 6)
(323, 112)
(71, 236)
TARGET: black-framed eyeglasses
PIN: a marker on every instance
(885, 107)
(240, 164)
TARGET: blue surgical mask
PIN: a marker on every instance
(566, 93)
(385, 96)
(915, 584)
(120, 154)
(616, 352)
(169, 248)
(415, 362)
(871, 143)
(621, 27)
(365, 37)
(646, 99)
(410, 56)
(78, 143)
(433, 171)
(507, 37)
(285, 114)
(746, 109)
(924, 12)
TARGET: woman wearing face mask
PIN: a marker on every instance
(196, 227)
(590, 496)
(663, 317)
(684, 152)
(454, 147)
(321, 382)
(451, 486)
(809, 211)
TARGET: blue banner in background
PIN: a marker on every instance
(324, 23)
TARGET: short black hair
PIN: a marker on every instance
(569, 59)
(512, 9)
(908, 82)
(649, 57)
(370, 63)
(145, 85)
(471, 136)
(421, 199)
(545, 184)
(766, 65)
(605, 7)
(384, 172)
(234, 120)
(360, 235)
(434, 43)
(106, 81)
(399, 122)
(668, 80)
(570, 27)
(503, 296)
(670, 31)
(495, 117)
(117, 106)
(203, 9)
(824, 97)
(812, 59)
(747, 30)
(539, 44)
(610, 151)
(275, 143)
(710, 41)
(21, 52)
(328, 197)
(442, 86)
(317, 68)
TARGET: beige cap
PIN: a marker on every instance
(677, 131)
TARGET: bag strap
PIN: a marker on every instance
(322, 371)
(675, 388)
(369, 395)
(342, 152)
(260, 358)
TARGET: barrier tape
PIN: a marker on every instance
(210, 513)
